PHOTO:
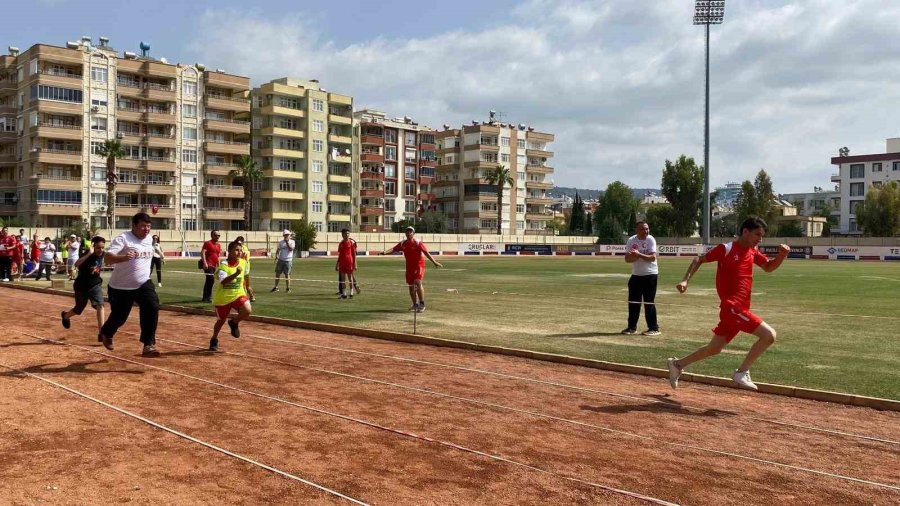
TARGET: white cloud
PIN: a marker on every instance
(619, 83)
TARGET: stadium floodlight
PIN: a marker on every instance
(707, 12)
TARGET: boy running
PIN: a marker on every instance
(415, 252)
(88, 284)
(245, 254)
(230, 293)
(734, 282)
(346, 265)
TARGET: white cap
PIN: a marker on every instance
(410, 228)
(73, 235)
(286, 232)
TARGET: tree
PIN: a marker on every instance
(500, 176)
(790, 229)
(305, 233)
(615, 212)
(660, 218)
(556, 226)
(757, 199)
(830, 220)
(576, 217)
(879, 214)
(248, 172)
(112, 149)
(724, 226)
(682, 185)
(588, 224)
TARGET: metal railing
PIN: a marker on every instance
(219, 141)
(228, 120)
(58, 125)
(60, 73)
(232, 99)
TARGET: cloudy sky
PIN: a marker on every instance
(619, 82)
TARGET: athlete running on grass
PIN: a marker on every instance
(230, 293)
(734, 283)
(415, 253)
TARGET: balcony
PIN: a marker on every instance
(128, 88)
(148, 68)
(338, 178)
(369, 175)
(7, 158)
(227, 81)
(339, 217)
(223, 103)
(160, 118)
(159, 140)
(57, 209)
(337, 197)
(282, 174)
(7, 86)
(336, 99)
(59, 156)
(372, 140)
(371, 210)
(371, 193)
(371, 157)
(132, 114)
(219, 169)
(282, 195)
(162, 210)
(281, 153)
(61, 78)
(227, 125)
(227, 147)
(538, 201)
(57, 131)
(277, 110)
(342, 159)
(158, 92)
(282, 132)
(54, 107)
(427, 197)
(539, 169)
(48, 182)
(339, 120)
(158, 188)
(224, 191)
(538, 153)
(160, 163)
(538, 185)
(223, 213)
(836, 178)
(538, 217)
(339, 139)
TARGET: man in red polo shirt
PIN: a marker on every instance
(734, 283)
(8, 248)
(209, 262)
(415, 253)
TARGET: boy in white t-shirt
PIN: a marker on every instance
(641, 254)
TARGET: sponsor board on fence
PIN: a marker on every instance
(529, 248)
(685, 250)
(471, 248)
(577, 248)
(856, 252)
(796, 251)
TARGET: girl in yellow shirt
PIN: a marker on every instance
(230, 293)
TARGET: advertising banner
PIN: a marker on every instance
(529, 248)
(476, 248)
(796, 251)
(857, 252)
(577, 248)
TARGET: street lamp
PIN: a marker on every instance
(707, 12)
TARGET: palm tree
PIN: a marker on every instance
(500, 176)
(111, 149)
(248, 171)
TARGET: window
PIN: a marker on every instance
(189, 224)
(410, 154)
(98, 124)
(318, 146)
(189, 88)
(409, 189)
(854, 205)
(410, 206)
(288, 123)
(390, 170)
(390, 136)
(99, 98)
(857, 171)
(98, 199)
(284, 225)
(98, 173)
(58, 197)
(317, 206)
(390, 153)
(317, 225)
(43, 92)
(390, 205)
(390, 188)
(189, 155)
(520, 176)
(876, 167)
(317, 187)
(290, 103)
(318, 106)
(287, 164)
(896, 165)
(287, 185)
(189, 133)
(857, 189)
(189, 111)
(504, 141)
(409, 172)
(389, 221)
(100, 74)
(504, 157)
(520, 208)
(96, 146)
(317, 166)
(520, 143)
(318, 125)
(410, 138)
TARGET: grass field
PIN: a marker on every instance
(836, 321)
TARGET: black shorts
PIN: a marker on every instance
(94, 295)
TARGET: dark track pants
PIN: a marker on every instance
(642, 289)
(120, 303)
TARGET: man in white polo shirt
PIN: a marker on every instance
(132, 253)
(284, 258)
(641, 254)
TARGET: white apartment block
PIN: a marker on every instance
(856, 174)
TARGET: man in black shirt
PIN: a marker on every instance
(88, 284)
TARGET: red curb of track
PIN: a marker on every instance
(767, 388)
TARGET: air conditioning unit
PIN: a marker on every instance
(95, 108)
(120, 135)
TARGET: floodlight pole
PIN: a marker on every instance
(707, 12)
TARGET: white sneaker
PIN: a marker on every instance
(674, 372)
(414, 307)
(5, 280)
(742, 378)
(159, 285)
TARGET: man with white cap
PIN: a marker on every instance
(284, 257)
(415, 252)
(73, 247)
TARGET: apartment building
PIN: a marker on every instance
(303, 142)
(182, 128)
(467, 154)
(396, 168)
(856, 174)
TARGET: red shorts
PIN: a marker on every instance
(733, 320)
(223, 311)
(414, 274)
(345, 267)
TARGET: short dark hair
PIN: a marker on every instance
(97, 239)
(234, 244)
(140, 218)
(641, 223)
(214, 231)
(345, 230)
(752, 223)
(239, 238)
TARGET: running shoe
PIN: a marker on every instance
(65, 320)
(214, 344)
(674, 372)
(629, 331)
(742, 378)
(414, 307)
(651, 333)
(235, 331)
(421, 308)
(358, 291)
(107, 342)
(274, 289)
(150, 351)
(159, 285)
(342, 296)
(287, 290)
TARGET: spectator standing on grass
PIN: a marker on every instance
(47, 260)
(22, 253)
(35, 254)
(209, 261)
(73, 252)
(230, 293)
(245, 254)
(640, 252)
(131, 253)
(284, 260)
(88, 284)
(346, 266)
(734, 284)
(159, 258)
(8, 247)
(414, 252)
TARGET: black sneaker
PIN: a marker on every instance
(274, 289)
(287, 290)
(235, 331)
(107, 342)
(150, 351)
(214, 344)
(65, 320)
(628, 331)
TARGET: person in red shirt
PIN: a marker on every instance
(415, 253)
(734, 283)
(209, 262)
(8, 248)
(346, 265)
(34, 254)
